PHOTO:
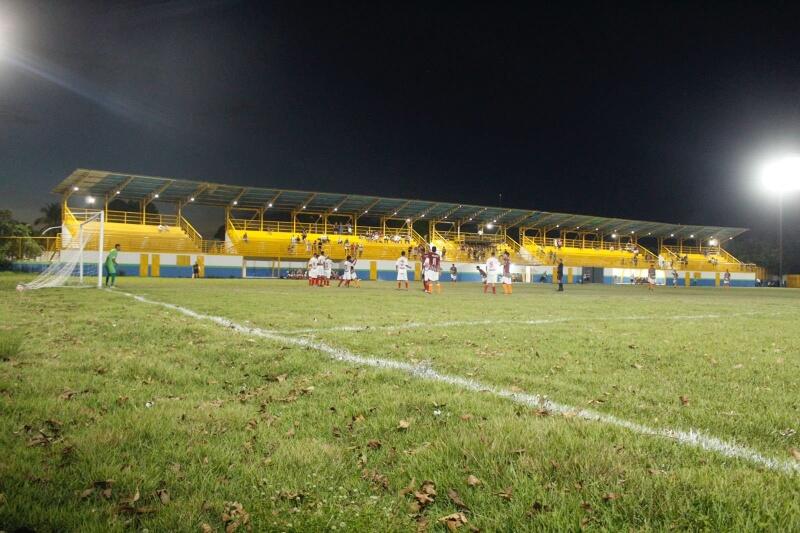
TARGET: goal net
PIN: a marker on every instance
(79, 263)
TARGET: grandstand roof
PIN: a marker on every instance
(132, 187)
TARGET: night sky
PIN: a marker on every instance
(657, 111)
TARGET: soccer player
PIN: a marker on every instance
(312, 270)
(453, 273)
(111, 266)
(560, 275)
(346, 275)
(726, 279)
(492, 269)
(482, 272)
(430, 265)
(674, 278)
(328, 267)
(401, 265)
(195, 270)
(506, 273)
(354, 273)
(651, 277)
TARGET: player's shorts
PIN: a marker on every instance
(402, 274)
(651, 281)
(328, 273)
(312, 273)
(507, 280)
(491, 277)
(346, 276)
(726, 281)
(454, 277)
(431, 275)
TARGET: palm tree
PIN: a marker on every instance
(51, 216)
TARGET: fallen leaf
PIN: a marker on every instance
(409, 488)
(454, 521)
(132, 498)
(795, 453)
(234, 516)
(456, 499)
(205, 528)
(374, 444)
(163, 495)
(403, 424)
(472, 481)
(290, 433)
(637, 366)
(466, 417)
(506, 493)
(86, 493)
(538, 507)
(610, 496)
(684, 400)
(67, 394)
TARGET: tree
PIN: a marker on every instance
(51, 216)
(131, 206)
(21, 246)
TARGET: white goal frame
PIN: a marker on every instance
(100, 216)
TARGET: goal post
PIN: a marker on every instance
(76, 264)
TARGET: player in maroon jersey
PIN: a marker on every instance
(506, 260)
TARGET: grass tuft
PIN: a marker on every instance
(10, 343)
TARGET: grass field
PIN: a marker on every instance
(122, 414)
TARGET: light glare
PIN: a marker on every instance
(782, 175)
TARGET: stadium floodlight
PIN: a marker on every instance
(90, 199)
(489, 225)
(155, 195)
(712, 242)
(480, 232)
(408, 220)
(613, 235)
(671, 234)
(191, 199)
(120, 192)
(780, 176)
(270, 205)
(304, 207)
(691, 236)
(75, 188)
(235, 202)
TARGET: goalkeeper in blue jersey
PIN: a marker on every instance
(111, 266)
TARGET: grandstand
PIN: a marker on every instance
(271, 231)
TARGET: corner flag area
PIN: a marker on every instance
(272, 405)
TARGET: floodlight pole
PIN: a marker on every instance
(780, 240)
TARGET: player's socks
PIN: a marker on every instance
(510, 289)
(494, 289)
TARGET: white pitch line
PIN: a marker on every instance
(689, 438)
(487, 322)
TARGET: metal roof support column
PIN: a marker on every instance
(261, 219)
(143, 205)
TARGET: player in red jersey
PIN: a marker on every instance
(506, 260)
(431, 264)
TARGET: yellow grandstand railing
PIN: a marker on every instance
(712, 258)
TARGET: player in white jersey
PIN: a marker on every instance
(312, 270)
(347, 272)
(328, 267)
(321, 269)
(354, 273)
(401, 265)
(492, 270)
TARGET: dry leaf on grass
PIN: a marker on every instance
(408, 488)
(466, 417)
(454, 521)
(537, 508)
(234, 516)
(795, 453)
(205, 528)
(456, 499)
(507, 493)
(374, 444)
(163, 495)
(684, 400)
(472, 481)
(403, 424)
(611, 496)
